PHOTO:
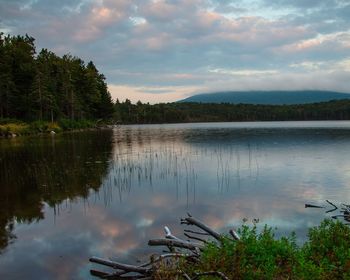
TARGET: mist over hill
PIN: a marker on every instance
(268, 97)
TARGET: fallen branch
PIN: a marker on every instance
(174, 243)
(234, 234)
(99, 274)
(121, 266)
(168, 255)
(193, 221)
(312, 206)
(169, 235)
(214, 273)
(331, 210)
(147, 270)
(195, 238)
(343, 209)
(196, 232)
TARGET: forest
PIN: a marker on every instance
(126, 112)
(43, 86)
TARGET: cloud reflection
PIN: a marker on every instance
(158, 173)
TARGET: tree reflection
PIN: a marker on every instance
(35, 171)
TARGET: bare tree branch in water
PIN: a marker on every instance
(344, 211)
(189, 252)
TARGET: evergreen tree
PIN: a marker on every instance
(21, 59)
(48, 87)
(6, 79)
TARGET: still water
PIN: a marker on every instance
(105, 193)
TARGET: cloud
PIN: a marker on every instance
(310, 4)
(150, 94)
(339, 41)
(245, 72)
(328, 79)
(150, 44)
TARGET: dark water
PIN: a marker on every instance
(105, 193)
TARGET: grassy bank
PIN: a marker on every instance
(259, 255)
(12, 128)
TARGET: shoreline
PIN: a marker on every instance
(14, 129)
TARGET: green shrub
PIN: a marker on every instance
(67, 124)
(53, 127)
(329, 249)
(39, 126)
(259, 255)
(17, 128)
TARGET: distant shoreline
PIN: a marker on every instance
(187, 112)
(127, 113)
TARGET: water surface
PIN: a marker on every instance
(105, 193)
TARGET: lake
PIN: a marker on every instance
(105, 193)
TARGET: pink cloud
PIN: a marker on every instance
(92, 22)
(99, 18)
(157, 43)
(143, 94)
(258, 31)
(207, 19)
(325, 42)
(160, 10)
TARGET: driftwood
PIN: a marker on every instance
(192, 221)
(186, 249)
(121, 266)
(174, 243)
(344, 210)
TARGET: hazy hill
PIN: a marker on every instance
(267, 97)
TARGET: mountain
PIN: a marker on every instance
(277, 97)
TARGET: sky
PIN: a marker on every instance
(165, 50)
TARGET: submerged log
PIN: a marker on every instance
(147, 270)
(344, 210)
(312, 206)
(121, 266)
(334, 207)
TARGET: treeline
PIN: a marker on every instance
(126, 112)
(47, 87)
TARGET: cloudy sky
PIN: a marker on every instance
(164, 50)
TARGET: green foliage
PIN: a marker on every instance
(328, 248)
(126, 112)
(47, 87)
(39, 126)
(67, 124)
(259, 255)
(16, 128)
(11, 127)
(44, 126)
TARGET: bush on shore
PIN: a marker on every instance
(259, 255)
(12, 127)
